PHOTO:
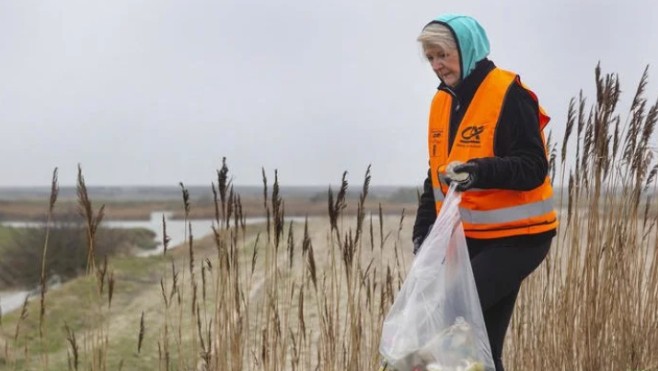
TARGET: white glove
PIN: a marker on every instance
(457, 177)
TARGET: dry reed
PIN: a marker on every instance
(594, 304)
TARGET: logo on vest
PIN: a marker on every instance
(471, 135)
(436, 138)
(436, 134)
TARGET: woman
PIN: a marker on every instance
(485, 133)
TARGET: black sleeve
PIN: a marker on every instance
(520, 161)
(426, 213)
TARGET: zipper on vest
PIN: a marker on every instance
(453, 95)
(457, 102)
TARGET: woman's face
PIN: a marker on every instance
(445, 64)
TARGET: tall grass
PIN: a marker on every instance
(54, 191)
(92, 351)
(594, 304)
(313, 295)
(278, 304)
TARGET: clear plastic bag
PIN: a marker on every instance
(436, 321)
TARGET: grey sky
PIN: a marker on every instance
(153, 92)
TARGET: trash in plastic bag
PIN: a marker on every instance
(436, 322)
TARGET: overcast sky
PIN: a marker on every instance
(154, 92)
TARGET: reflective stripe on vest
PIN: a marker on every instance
(504, 215)
(508, 214)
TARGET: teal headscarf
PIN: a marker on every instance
(472, 41)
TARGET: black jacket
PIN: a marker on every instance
(520, 162)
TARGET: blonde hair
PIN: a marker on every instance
(437, 35)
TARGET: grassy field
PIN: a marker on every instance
(5, 235)
(78, 306)
(313, 296)
(139, 287)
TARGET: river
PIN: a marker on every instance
(177, 230)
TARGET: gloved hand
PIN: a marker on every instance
(465, 174)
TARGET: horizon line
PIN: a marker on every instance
(5, 187)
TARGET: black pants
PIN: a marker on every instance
(499, 267)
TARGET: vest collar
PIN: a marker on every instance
(466, 89)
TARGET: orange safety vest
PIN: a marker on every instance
(486, 213)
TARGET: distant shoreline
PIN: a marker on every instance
(168, 193)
